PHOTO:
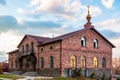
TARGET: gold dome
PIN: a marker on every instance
(88, 17)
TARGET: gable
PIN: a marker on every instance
(103, 37)
(26, 39)
(85, 30)
(74, 42)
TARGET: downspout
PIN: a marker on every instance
(38, 58)
(60, 58)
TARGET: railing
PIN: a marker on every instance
(21, 53)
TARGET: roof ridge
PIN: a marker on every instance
(36, 36)
(68, 33)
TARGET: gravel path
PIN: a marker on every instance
(31, 78)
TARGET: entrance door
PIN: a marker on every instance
(86, 73)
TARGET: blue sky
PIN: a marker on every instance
(56, 17)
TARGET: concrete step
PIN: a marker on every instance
(30, 73)
(16, 72)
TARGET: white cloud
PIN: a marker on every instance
(66, 9)
(9, 40)
(35, 2)
(107, 3)
(20, 10)
(116, 51)
(110, 24)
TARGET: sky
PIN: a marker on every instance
(56, 17)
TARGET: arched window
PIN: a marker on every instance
(12, 64)
(51, 47)
(27, 48)
(83, 41)
(95, 43)
(27, 65)
(42, 62)
(41, 49)
(83, 61)
(23, 49)
(51, 62)
(16, 62)
(95, 60)
(104, 62)
(32, 47)
(73, 61)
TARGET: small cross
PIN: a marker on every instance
(88, 9)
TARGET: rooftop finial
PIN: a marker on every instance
(88, 9)
(88, 17)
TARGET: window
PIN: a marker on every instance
(32, 47)
(83, 41)
(23, 49)
(51, 47)
(42, 62)
(51, 62)
(95, 60)
(104, 62)
(73, 61)
(16, 63)
(11, 64)
(95, 43)
(27, 65)
(42, 49)
(83, 61)
(27, 48)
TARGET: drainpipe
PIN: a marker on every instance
(60, 58)
(38, 56)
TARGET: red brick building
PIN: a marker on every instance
(86, 49)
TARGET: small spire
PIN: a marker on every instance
(88, 17)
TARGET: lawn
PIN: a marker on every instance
(9, 76)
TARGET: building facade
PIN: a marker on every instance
(86, 49)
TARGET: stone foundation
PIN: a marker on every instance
(53, 72)
(68, 72)
(98, 72)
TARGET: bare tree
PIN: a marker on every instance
(116, 65)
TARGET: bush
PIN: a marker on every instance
(103, 77)
(92, 75)
(118, 78)
(78, 72)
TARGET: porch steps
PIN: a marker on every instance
(30, 73)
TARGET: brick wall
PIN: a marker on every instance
(72, 46)
(47, 52)
(28, 40)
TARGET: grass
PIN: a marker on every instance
(9, 76)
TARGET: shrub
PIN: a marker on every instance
(103, 77)
(78, 72)
(92, 75)
(118, 78)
